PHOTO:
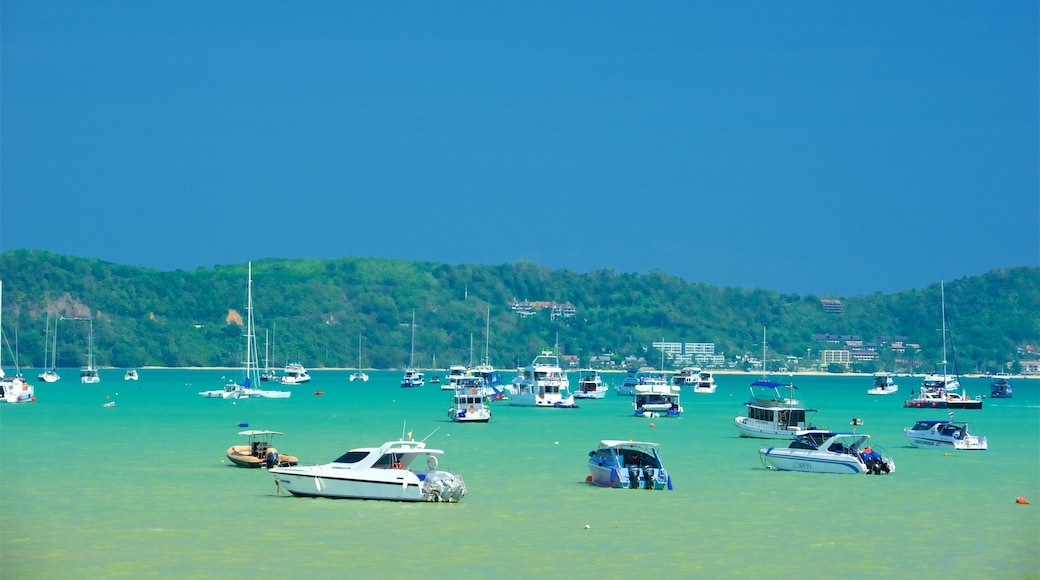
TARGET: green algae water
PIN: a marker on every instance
(143, 488)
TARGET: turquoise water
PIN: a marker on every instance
(143, 489)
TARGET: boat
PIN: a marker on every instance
(269, 374)
(656, 401)
(13, 389)
(1000, 386)
(636, 377)
(295, 374)
(944, 435)
(469, 403)
(939, 390)
(590, 385)
(131, 375)
(388, 472)
(543, 384)
(455, 372)
(493, 383)
(821, 451)
(436, 380)
(412, 377)
(251, 370)
(628, 465)
(259, 452)
(687, 377)
(50, 375)
(773, 417)
(88, 375)
(359, 375)
(705, 383)
(884, 384)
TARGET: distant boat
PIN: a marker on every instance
(687, 377)
(944, 435)
(455, 372)
(884, 384)
(1000, 386)
(88, 375)
(819, 451)
(469, 403)
(50, 375)
(295, 374)
(628, 465)
(412, 377)
(939, 390)
(543, 384)
(13, 389)
(131, 375)
(705, 383)
(590, 385)
(359, 375)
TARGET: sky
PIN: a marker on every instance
(829, 148)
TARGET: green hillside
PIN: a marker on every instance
(314, 310)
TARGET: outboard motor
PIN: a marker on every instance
(272, 458)
(633, 476)
(648, 475)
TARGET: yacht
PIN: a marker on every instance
(590, 385)
(455, 372)
(295, 374)
(1000, 386)
(637, 377)
(884, 384)
(687, 377)
(705, 383)
(469, 403)
(543, 384)
(656, 401)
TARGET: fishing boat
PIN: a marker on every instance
(884, 384)
(50, 375)
(637, 377)
(543, 384)
(820, 451)
(88, 375)
(259, 451)
(656, 401)
(944, 435)
(590, 385)
(359, 375)
(705, 383)
(469, 401)
(412, 377)
(1000, 386)
(246, 389)
(628, 465)
(295, 374)
(388, 472)
(130, 375)
(13, 389)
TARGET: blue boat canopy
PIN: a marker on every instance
(771, 384)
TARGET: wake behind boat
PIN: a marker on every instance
(383, 473)
(819, 451)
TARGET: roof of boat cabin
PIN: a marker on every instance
(633, 444)
(255, 432)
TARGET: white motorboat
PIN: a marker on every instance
(383, 473)
(469, 402)
(944, 435)
(705, 383)
(455, 372)
(637, 377)
(131, 375)
(590, 385)
(775, 417)
(628, 465)
(687, 377)
(656, 401)
(295, 374)
(245, 389)
(259, 451)
(818, 451)
(884, 384)
(543, 384)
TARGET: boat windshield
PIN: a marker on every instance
(351, 457)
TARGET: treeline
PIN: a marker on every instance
(313, 311)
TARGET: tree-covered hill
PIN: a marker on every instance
(314, 311)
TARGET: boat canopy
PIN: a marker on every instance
(772, 384)
(641, 445)
(255, 432)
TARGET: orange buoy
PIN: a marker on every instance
(651, 425)
(318, 393)
(1021, 500)
(588, 478)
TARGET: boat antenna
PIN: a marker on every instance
(430, 435)
(403, 427)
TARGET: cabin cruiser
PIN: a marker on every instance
(656, 401)
(687, 377)
(884, 384)
(412, 378)
(259, 452)
(455, 372)
(628, 465)
(774, 417)
(543, 384)
(295, 374)
(636, 377)
(387, 472)
(590, 385)
(469, 403)
(820, 451)
(1000, 386)
(944, 435)
(705, 383)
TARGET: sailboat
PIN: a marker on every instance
(13, 389)
(50, 375)
(412, 378)
(492, 380)
(88, 375)
(245, 389)
(268, 374)
(359, 375)
(939, 390)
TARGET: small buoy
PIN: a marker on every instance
(651, 425)
(1022, 501)
(947, 454)
(586, 526)
(222, 461)
(556, 443)
(588, 478)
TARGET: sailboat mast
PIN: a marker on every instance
(765, 366)
(487, 339)
(942, 294)
(411, 357)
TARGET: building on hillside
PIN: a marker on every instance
(842, 357)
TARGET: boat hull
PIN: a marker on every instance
(242, 456)
(532, 400)
(762, 430)
(383, 484)
(619, 478)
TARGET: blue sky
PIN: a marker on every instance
(833, 148)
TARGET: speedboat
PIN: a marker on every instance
(469, 401)
(590, 385)
(819, 451)
(705, 383)
(636, 377)
(1000, 386)
(884, 384)
(687, 377)
(628, 464)
(16, 389)
(543, 384)
(656, 400)
(774, 417)
(295, 374)
(384, 472)
(259, 452)
(412, 378)
(455, 372)
(945, 435)
(131, 375)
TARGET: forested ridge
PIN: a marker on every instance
(313, 311)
